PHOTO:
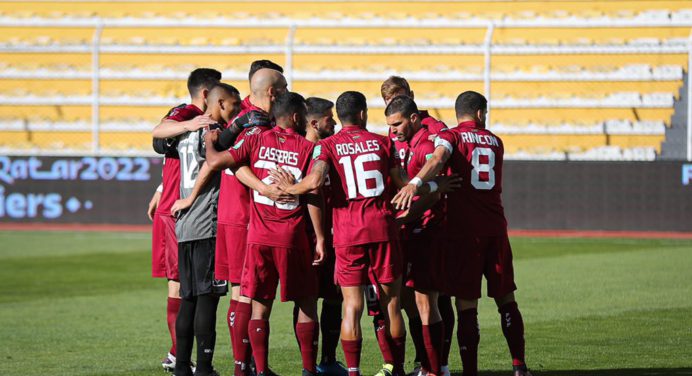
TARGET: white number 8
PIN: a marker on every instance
(479, 167)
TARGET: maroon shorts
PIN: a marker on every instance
(164, 248)
(266, 266)
(424, 261)
(361, 264)
(468, 259)
(231, 244)
(327, 288)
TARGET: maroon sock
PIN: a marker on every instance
(513, 329)
(352, 355)
(383, 340)
(444, 303)
(415, 327)
(468, 336)
(308, 336)
(433, 336)
(330, 324)
(172, 308)
(258, 331)
(230, 318)
(399, 352)
(242, 351)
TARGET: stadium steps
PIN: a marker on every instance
(675, 145)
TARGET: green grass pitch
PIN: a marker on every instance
(85, 304)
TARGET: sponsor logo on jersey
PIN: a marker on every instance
(317, 151)
(238, 144)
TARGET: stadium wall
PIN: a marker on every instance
(538, 195)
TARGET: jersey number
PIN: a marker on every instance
(361, 176)
(479, 167)
(189, 165)
(267, 165)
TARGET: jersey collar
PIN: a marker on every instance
(278, 129)
(468, 124)
(421, 134)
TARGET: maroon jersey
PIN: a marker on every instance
(234, 197)
(433, 125)
(171, 163)
(359, 163)
(273, 224)
(477, 154)
(418, 151)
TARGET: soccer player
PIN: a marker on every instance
(392, 87)
(476, 233)
(180, 119)
(278, 248)
(420, 239)
(196, 232)
(320, 125)
(234, 205)
(365, 238)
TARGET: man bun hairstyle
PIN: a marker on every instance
(202, 78)
(403, 105)
(318, 106)
(261, 64)
(469, 103)
(395, 86)
(288, 104)
(349, 105)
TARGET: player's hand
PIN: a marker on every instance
(281, 177)
(153, 204)
(257, 118)
(402, 200)
(198, 122)
(447, 184)
(318, 257)
(212, 136)
(276, 194)
(180, 205)
(400, 219)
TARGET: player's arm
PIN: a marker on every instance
(419, 207)
(203, 178)
(314, 180)
(315, 202)
(430, 170)
(169, 128)
(154, 202)
(217, 159)
(250, 180)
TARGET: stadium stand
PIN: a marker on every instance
(570, 79)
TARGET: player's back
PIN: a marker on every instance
(199, 221)
(477, 156)
(273, 223)
(360, 162)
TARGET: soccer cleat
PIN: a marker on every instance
(521, 371)
(387, 370)
(168, 363)
(417, 370)
(332, 369)
(213, 373)
(445, 371)
(308, 373)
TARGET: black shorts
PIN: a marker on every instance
(196, 269)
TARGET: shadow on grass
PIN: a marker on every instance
(597, 372)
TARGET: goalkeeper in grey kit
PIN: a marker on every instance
(196, 232)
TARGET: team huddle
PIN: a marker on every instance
(261, 192)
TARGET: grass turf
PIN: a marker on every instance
(84, 304)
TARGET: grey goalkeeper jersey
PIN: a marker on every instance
(199, 221)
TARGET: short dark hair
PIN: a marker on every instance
(469, 103)
(202, 78)
(394, 85)
(349, 105)
(287, 104)
(229, 89)
(401, 104)
(261, 64)
(318, 106)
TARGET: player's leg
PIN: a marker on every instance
(330, 328)
(415, 326)
(307, 331)
(259, 281)
(432, 329)
(391, 307)
(184, 325)
(444, 304)
(165, 264)
(351, 336)
(379, 325)
(499, 274)
(468, 335)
